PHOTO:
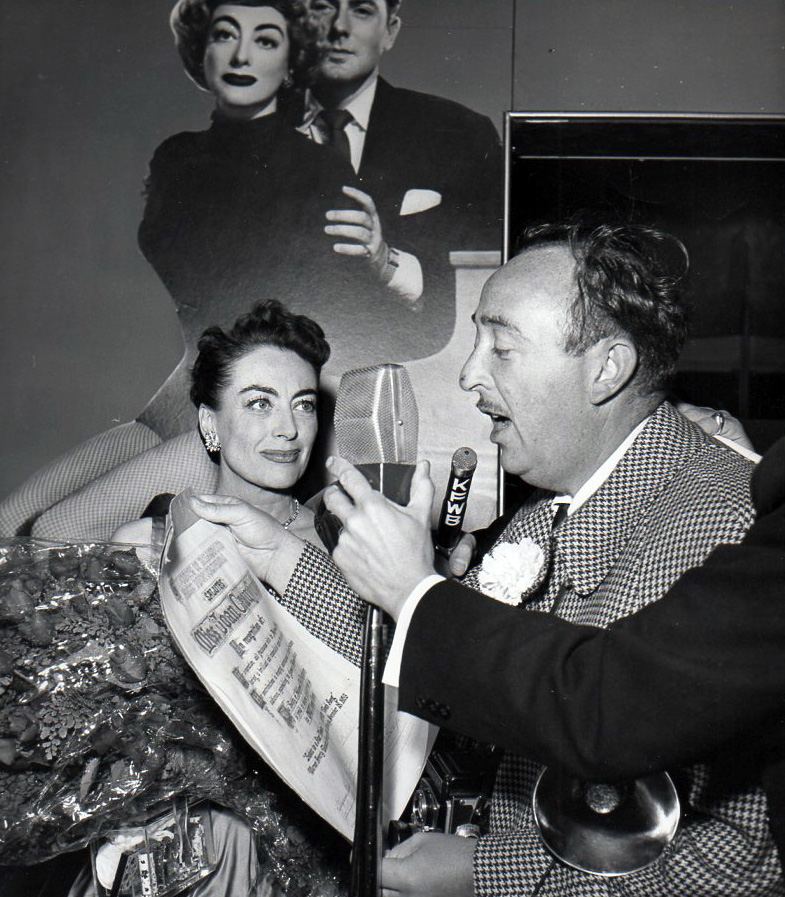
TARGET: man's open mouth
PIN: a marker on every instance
(494, 414)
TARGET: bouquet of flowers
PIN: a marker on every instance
(102, 722)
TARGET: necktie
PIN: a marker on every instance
(335, 122)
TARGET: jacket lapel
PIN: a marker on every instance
(533, 521)
(383, 139)
(591, 541)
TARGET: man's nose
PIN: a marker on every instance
(472, 372)
(341, 21)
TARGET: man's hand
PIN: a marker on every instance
(462, 554)
(429, 865)
(363, 227)
(385, 549)
(268, 549)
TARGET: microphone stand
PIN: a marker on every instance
(367, 845)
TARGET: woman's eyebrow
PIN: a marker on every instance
(253, 388)
(269, 25)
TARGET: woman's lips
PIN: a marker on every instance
(281, 457)
(239, 80)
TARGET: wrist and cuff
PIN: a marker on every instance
(401, 272)
(392, 669)
(392, 261)
(283, 562)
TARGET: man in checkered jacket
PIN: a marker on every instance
(577, 337)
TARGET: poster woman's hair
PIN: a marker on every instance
(190, 23)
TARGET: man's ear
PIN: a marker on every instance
(616, 362)
(393, 27)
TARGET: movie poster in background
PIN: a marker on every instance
(91, 335)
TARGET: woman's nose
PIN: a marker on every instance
(241, 51)
(285, 425)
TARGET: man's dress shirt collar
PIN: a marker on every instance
(359, 104)
(600, 475)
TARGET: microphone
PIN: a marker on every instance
(376, 429)
(456, 497)
(376, 426)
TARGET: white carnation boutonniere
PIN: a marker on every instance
(510, 569)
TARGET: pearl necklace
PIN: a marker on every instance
(291, 520)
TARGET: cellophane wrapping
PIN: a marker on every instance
(102, 721)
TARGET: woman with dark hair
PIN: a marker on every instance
(255, 387)
(191, 22)
(234, 215)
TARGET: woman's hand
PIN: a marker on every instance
(716, 423)
(269, 550)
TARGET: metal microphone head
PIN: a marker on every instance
(376, 418)
(464, 462)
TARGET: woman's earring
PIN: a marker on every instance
(288, 81)
(211, 442)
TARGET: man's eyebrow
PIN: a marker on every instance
(496, 320)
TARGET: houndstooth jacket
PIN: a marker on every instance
(674, 495)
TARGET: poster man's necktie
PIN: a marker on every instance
(335, 122)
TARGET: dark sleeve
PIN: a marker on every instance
(469, 217)
(166, 216)
(660, 688)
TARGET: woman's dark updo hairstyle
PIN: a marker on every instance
(190, 22)
(267, 324)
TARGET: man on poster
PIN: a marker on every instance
(430, 169)
(576, 339)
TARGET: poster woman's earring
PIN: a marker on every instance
(288, 81)
(211, 442)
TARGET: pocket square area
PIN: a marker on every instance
(420, 201)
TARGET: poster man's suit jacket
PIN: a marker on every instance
(434, 170)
